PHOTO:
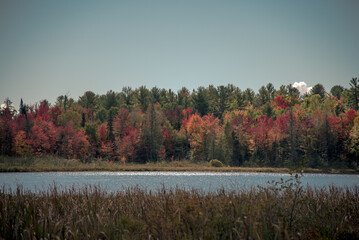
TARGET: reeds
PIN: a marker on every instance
(258, 213)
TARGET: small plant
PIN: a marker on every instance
(216, 163)
(290, 191)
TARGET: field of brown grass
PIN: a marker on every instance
(264, 213)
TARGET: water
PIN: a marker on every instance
(206, 181)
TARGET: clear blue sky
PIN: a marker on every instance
(50, 48)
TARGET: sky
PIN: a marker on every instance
(52, 48)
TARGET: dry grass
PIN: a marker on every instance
(265, 213)
(49, 163)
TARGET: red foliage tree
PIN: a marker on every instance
(39, 141)
(43, 137)
(186, 115)
(260, 132)
(54, 113)
(74, 144)
(128, 145)
(41, 111)
(343, 124)
(175, 117)
(202, 135)
(102, 132)
(281, 102)
(168, 142)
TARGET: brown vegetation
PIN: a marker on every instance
(56, 164)
(270, 213)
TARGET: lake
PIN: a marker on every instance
(206, 181)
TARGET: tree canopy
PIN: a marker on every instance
(273, 127)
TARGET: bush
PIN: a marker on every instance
(216, 163)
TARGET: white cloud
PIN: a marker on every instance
(3, 106)
(302, 87)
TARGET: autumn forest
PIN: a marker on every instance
(273, 127)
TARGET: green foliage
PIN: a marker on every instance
(102, 115)
(318, 89)
(68, 116)
(313, 103)
(64, 101)
(127, 97)
(91, 132)
(236, 100)
(89, 100)
(111, 99)
(354, 92)
(262, 97)
(292, 92)
(151, 139)
(354, 142)
(249, 96)
(336, 91)
(239, 128)
(143, 97)
(183, 98)
(267, 109)
(200, 101)
(111, 115)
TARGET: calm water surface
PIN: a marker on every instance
(206, 181)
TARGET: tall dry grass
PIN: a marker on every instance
(258, 213)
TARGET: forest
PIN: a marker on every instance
(273, 127)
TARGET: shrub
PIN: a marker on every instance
(216, 163)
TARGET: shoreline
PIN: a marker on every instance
(132, 168)
(56, 164)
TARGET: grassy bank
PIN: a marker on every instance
(48, 164)
(90, 213)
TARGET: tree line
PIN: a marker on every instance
(273, 127)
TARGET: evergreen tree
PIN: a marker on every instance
(262, 97)
(111, 114)
(126, 97)
(155, 95)
(152, 137)
(64, 101)
(236, 100)
(336, 91)
(271, 90)
(143, 97)
(223, 96)
(89, 100)
(183, 98)
(199, 101)
(22, 109)
(249, 96)
(354, 89)
(318, 89)
(111, 99)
